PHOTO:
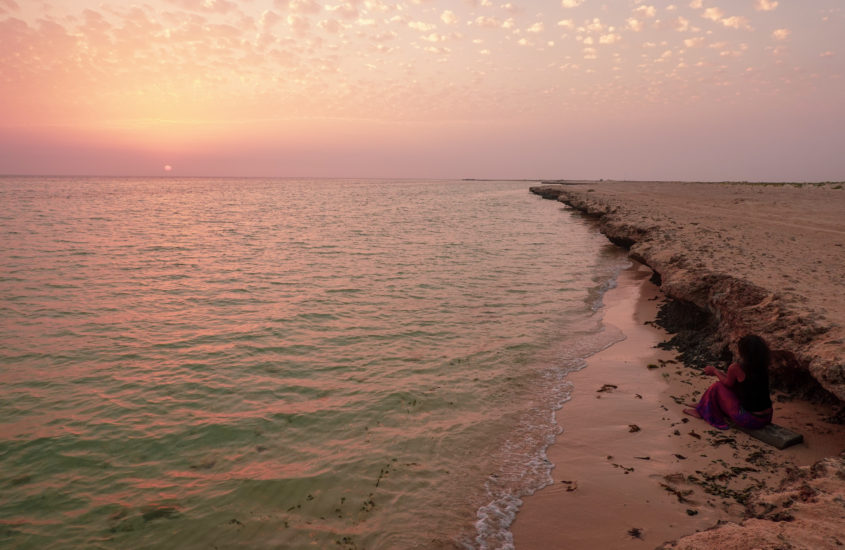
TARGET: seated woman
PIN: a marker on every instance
(741, 394)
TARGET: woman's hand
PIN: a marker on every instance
(710, 370)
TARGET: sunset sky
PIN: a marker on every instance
(627, 89)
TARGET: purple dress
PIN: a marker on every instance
(722, 405)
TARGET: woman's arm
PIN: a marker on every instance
(728, 378)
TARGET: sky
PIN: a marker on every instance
(571, 89)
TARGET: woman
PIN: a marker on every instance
(741, 395)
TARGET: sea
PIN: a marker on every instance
(285, 363)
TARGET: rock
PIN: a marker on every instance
(806, 512)
(551, 192)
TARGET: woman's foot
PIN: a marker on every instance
(692, 412)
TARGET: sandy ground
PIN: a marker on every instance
(631, 470)
(751, 231)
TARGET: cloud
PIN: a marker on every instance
(330, 25)
(168, 56)
(680, 24)
(422, 26)
(439, 50)
(610, 38)
(347, 10)
(487, 22)
(571, 3)
(269, 19)
(434, 37)
(713, 14)
(298, 24)
(696, 4)
(305, 6)
(735, 22)
(646, 11)
(210, 6)
(635, 24)
(595, 25)
(717, 15)
(9, 6)
(765, 5)
(781, 34)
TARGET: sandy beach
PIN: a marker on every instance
(631, 470)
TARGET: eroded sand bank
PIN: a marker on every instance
(764, 259)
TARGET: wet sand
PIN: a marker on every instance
(631, 470)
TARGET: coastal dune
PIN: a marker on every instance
(631, 471)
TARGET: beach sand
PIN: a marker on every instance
(631, 470)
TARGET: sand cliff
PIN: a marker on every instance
(752, 258)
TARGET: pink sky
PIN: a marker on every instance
(629, 89)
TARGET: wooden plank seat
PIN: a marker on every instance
(774, 435)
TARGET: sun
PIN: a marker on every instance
(167, 168)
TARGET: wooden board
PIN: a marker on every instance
(774, 435)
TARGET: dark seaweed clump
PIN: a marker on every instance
(693, 333)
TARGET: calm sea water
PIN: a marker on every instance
(223, 363)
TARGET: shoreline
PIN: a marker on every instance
(673, 475)
(616, 486)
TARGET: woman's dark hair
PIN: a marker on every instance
(754, 353)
